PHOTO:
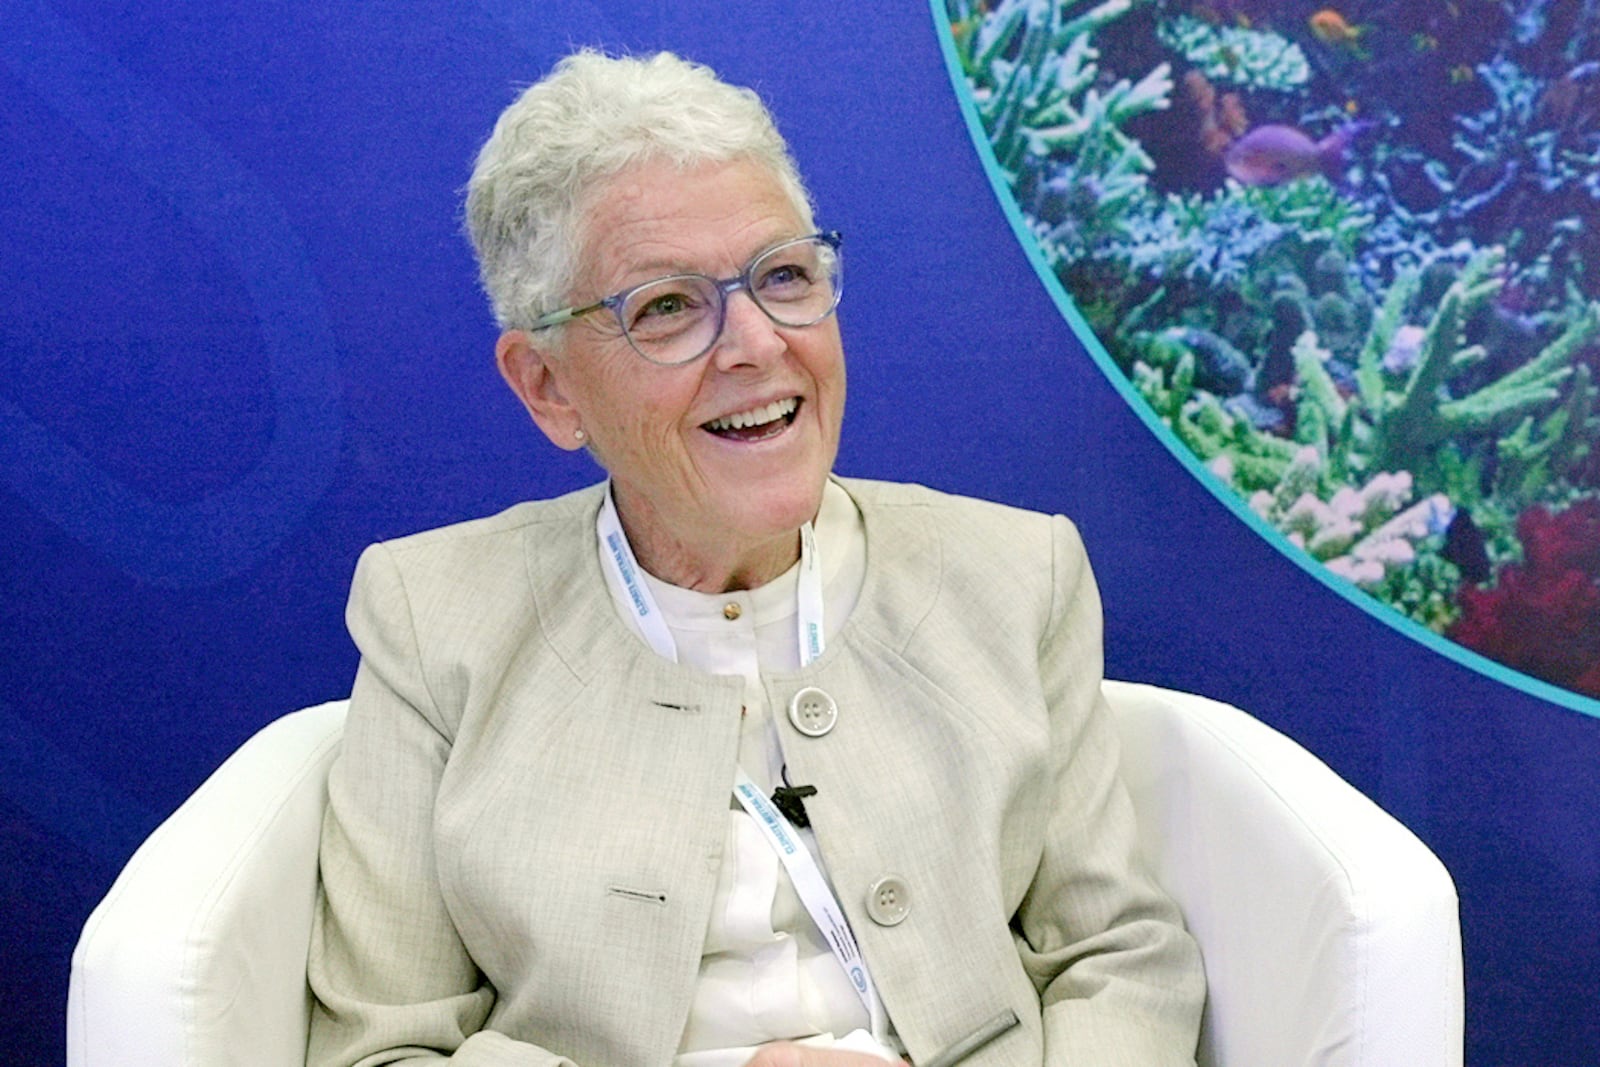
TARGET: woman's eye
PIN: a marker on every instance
(787, 274)
(666, 304)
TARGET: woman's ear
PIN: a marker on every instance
(533, 375)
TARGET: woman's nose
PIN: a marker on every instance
(748, 335)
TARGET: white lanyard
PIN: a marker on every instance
(653, 625)
(812, 888)
(809, 882)
(808, 598)
(619, 554)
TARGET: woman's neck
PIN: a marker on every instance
(716, 562)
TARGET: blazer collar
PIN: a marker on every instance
(903, 578)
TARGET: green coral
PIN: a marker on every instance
(1534, 426)
(1379, 536)
(1307, 340)
(1229, 443)
(1257, 59)
(1322, 418)
(1221, 236)
(1053, 117)
(1034, 76)
(1539, 453)
(1257, 265)
(1407, 422)
(1306, 282)
(1424, 592)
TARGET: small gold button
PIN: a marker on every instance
(731, 610)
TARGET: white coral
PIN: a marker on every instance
(1366, 573)
(1360, 534)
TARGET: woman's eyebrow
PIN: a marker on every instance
(661, 267)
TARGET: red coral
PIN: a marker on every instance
(1568, 541)
(1542, 616)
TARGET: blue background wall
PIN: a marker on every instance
(240, 338)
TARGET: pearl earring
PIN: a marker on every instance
(579, 434)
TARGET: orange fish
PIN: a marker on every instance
(1231, 116)
(1332, 28)
(1222, 119)
(1200, 90)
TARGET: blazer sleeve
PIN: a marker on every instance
(391, 981)
(1119, 979)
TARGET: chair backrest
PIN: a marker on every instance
(197, 955)
(1330, 932)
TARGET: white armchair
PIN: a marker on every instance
(197, 955)
(1329, 931)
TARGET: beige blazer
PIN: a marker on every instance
(526, 822)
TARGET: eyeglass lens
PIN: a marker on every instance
(676, 319)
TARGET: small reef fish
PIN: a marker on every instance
(1332, 28)
(1561, 99)
(1464, 546)
(1222, 12)
(1272, 155)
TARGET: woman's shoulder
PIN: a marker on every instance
(480, 560)
(978, 547)
(964, 517)
(973, 559)
(575, 509)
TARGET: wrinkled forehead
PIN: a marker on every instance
(659, 217)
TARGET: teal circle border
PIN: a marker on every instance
(1534, 687)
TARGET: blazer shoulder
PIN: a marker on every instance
(470, 535)
(958, 520)
(480, 559)
(982, 555)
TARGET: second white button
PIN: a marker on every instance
(813, 712)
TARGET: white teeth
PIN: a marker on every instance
(774, 411)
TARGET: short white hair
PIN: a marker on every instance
(590, 118)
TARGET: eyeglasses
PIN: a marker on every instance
(677, 319)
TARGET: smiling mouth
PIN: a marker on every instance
(757, 424)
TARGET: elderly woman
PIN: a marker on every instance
(724, 759)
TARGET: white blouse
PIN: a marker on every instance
(767, 973)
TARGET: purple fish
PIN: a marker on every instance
(1272, 155)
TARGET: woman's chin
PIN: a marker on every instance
(766, 514)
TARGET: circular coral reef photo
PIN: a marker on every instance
(1340, 253)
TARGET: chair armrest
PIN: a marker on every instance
(1330, 933)
(197, 955)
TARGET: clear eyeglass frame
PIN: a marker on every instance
(718, 290)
